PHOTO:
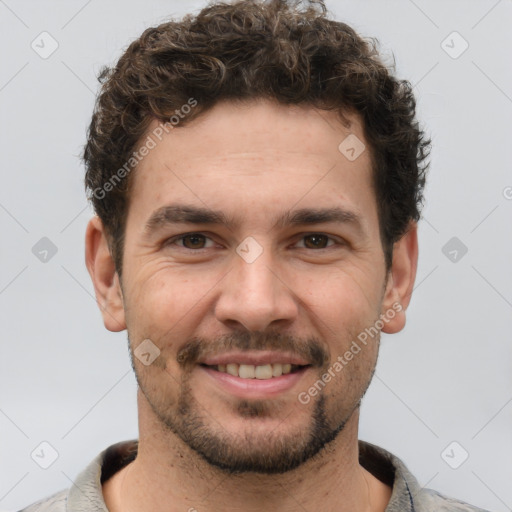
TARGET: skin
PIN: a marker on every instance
(253, 162)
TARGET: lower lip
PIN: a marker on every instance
(255, 388)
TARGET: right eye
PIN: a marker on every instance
(192, 241)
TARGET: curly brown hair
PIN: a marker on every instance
(278, 50)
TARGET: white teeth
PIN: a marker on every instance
(246, 371)
(250, 371)
(232, 369)
(277, 370)
(263, 372)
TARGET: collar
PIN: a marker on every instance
(87, 493)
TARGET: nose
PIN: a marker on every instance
(256, 295)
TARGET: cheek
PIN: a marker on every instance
(160, 300)
(342, 311)
(342, 299)
(350, 369)
(166, 308)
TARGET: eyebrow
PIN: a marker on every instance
(188, 214)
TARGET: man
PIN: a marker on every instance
(257, 175)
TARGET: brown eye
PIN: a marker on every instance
(316, 241)
(196, 241)
(191, 242)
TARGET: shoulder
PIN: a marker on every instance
(86, 493)
(433, 501)
(407, 495)
(54, 503)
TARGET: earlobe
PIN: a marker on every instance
(400, 280)
(100, 265)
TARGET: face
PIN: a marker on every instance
(252, 263)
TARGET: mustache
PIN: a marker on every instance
(198, 348)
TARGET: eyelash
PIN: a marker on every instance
(177, 238)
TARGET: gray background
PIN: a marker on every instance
(447, 377)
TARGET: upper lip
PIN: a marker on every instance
(255, 357)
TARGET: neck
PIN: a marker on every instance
(168, 475)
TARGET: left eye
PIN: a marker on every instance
(198, 240)
(316, 241)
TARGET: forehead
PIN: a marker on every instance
(255, 157)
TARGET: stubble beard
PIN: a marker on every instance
(274, 452)
(254, 449)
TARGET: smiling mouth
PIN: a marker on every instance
(261, 372)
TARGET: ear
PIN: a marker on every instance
(400, 280)
(102, 270)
